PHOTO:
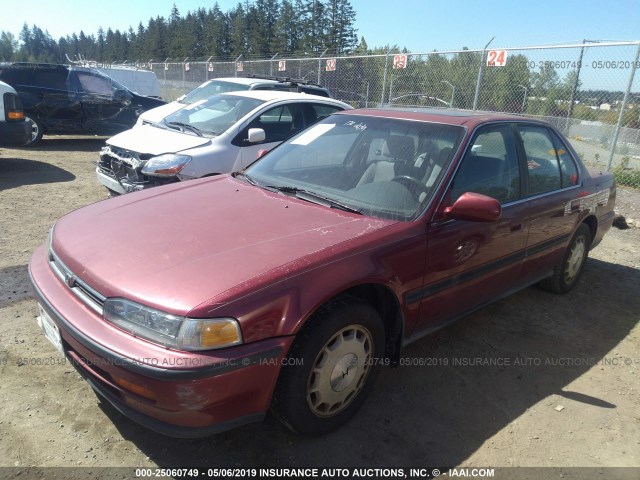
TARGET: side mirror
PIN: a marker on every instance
(122, 96)
(261, 153)
(256, 135)
(474, 207)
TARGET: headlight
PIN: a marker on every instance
(167, 165)
(169, 330)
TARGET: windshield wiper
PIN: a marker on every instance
(246, 177)
(186, 126)
(312, 197)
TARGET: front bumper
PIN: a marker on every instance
(122, 185)
(192, 394)
(111, 183)
(14, 134)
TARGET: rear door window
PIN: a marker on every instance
(323, 111)
(543, 166)
(95, 84)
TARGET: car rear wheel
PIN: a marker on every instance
(566, 275)
(331, 367)
(36, 131)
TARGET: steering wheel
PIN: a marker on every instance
(415, 186)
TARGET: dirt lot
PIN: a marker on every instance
(564, 392)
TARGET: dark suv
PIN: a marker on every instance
(60, 99)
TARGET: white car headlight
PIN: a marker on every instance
(167, 165)
(169, 330)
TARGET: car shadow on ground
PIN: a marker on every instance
(68, 143)
(16, 172)
(458, 387)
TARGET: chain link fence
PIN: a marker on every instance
(589, 90)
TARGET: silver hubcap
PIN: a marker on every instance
(575, 260)
(339, 371)
(34, 128)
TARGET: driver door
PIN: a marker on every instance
(104, 112)
(278, 123)
(469, 264)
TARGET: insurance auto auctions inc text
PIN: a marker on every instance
(375, 472)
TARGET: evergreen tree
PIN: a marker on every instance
(8, 46)
(340, 36)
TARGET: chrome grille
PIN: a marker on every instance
(84, 292)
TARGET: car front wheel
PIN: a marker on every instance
(36, 131)
(331, 367)
(566, 275)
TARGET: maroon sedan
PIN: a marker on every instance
(197, 307)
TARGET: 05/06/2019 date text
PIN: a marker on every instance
(595, 64)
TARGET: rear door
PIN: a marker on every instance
(470, 264)
(552, 183)
(106, 109)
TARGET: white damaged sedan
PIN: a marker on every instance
(220, 134)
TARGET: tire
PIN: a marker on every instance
(566, 275)
(36, 131)
(338, 353)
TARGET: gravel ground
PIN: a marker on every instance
(562, 390)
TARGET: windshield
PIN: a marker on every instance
(213, 116)
(382, 167)
(211, 88)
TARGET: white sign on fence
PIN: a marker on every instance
(239, 67)
(496, 58)
(331, 65)
(399, 61)
(210, 67)
(282, 66)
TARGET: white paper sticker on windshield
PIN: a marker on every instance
(313, 133)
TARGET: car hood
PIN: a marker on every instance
(156, 141)
(157, 114)
(213, 239)
(148, 103)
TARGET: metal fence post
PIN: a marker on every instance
(206, 66)
(384, 77)
(622, 108)
(164, 69)
(271, 64)
(235, 65)
(480, 72)
(184, 74)
(320, 65)
(366, 100)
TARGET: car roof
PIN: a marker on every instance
(467, 118)
(244, 80)
(273, 95)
